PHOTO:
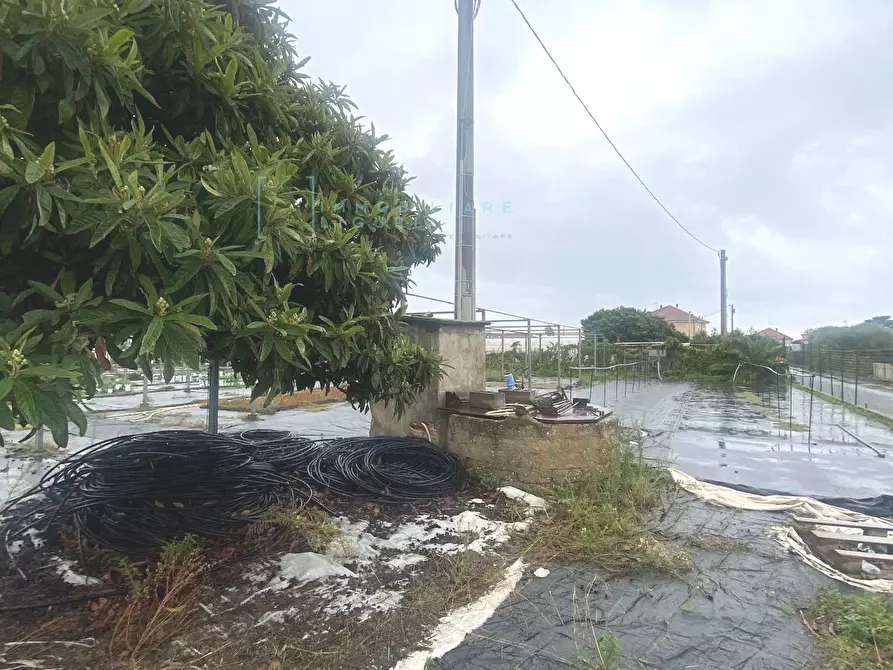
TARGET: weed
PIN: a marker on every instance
(162, 600)
(790, 425)
(854, 631)
(603, 520)
(431, 664)
(486, 478)
(710, 542)
(606, 655)
(311, 523)
(454, 580)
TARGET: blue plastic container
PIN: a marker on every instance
(510, 381)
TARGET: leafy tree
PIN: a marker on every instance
(628, 324)
(884, 321)
(862, 337)
(140, 142)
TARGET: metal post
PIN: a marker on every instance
(732, 310)
(811, 396)
(722, 291)
(831, 370)
(605, 374)
(529, 359)
(541, 350)
(856, 390)
(465, 215)
(842, 357)
(625, 375)
(791, 403)
(213, 394)
(592, 369)
(559, 356)
(502, 350)
(189, 381)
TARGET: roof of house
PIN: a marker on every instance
(771, 332)
(676, 315)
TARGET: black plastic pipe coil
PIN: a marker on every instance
(135, 492)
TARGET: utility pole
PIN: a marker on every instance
(466, 238)
(732, 309)
(722, 291)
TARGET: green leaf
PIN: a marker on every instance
(47, 157)
(46, 291)
(110, 164)
(6, 196)
(117, 40)
(85, 143)
(25, 402)
(128, 304)
(49, 372)
(7, 421)
(103, 101)
(153, 332)
(195, 320)
(168, 371)
(5, 387)
(103, 229)
(34, 172)
(66, 109)
(75, 413)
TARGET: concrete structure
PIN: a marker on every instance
(461, 345)
(684, 322)
(526, 451)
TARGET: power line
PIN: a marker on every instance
(602, 130)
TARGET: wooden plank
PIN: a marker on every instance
(522, 397)
(867, 528)
(486, 399)
(851, 561)
(844, 537)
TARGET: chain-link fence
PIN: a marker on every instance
(861, 377)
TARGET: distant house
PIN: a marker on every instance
(685, 322)
(779, 337)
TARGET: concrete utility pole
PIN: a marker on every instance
(732, 308)
(466, 237)
(723, 294)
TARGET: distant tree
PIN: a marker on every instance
(549, 331)
(628, 324)
(863, 336)
(884, 321)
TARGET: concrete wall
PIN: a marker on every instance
(461, 345)
(525, 451)
(689, 328)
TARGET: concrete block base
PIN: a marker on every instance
(525, 451)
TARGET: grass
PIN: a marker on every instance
(161, 599)
(790, 425)
(284, 401)
(864, 411)
(710, 542)
(605, 520)
(852, 631)
(606, 655)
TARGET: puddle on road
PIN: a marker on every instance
(741, 436)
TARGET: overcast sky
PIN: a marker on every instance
(765, 126)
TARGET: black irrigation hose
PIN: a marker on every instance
(134, 493)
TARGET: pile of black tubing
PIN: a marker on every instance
(135, 492)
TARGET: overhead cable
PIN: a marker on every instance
(610, 141)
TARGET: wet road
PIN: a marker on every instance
(874, 396)
(738, 436)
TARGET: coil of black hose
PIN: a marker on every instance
(135, 492)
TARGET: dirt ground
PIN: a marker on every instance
(383, 576)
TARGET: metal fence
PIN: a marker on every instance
(861, 377)
(548, 354)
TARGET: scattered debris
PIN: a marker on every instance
(542, 572)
